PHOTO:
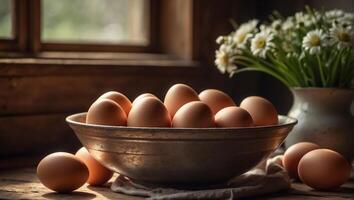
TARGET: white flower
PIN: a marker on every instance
(301, 18)
(225, 58)
(220, 40)
(262, 43)
(334, 14)
(243, 33)
(348, 19)
(341, 36)
(313, 41)
(340, 17)
(306, 19)
(276, 25)
(288, 24)
(268, 29)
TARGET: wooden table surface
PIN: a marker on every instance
(23, 184)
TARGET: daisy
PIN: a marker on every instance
(225, 58)
(301, 19)
(242, 34)
(334, 14)
(340, 17)
(341, 36)
(276, 25)
(348, 19)
(313, 41)
(288, 24)
(307, 19)
(220, 40)
(262, 43)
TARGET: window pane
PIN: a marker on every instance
(5, 18)
(107, 21)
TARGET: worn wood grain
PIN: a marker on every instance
(59, 94)
(176, 28)
(35, 134)
(23, 184)
(59, 66)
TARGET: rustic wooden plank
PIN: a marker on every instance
(35, 134)
(23, 184)
(59, 94)
(91, 55)
(45, 66)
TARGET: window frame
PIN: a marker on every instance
(19, 32)
(26, 25)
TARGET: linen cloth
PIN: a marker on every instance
(268, 177)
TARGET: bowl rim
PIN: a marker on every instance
(69, 119)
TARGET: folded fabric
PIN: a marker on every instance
(264, 179)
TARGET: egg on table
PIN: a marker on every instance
(233, 117)
(119, 98)
(216, 99)
(324, 169)
(262, 111)
(149, 112)
(293, 155)
(177, 96)
(106, 112)
(98, 174)
(194, 114)
(62, 172)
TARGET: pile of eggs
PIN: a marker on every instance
(182, 107)
(315, 166)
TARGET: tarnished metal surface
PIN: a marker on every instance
(180, 155)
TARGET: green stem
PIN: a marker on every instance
(323, 80)
(286, 71)
(264, 71)
(309, 80)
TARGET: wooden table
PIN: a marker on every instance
(23, 184)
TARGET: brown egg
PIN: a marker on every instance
(143, 96)
(194, 114)
(62, 172)
(233, 117)
(262, 111)
(216, 99)
(149, 112)
(106, 112)
(177, 96)
(324, 169)
(293, 155)
(119, 98)
(98, 174)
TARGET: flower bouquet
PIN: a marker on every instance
(309, 49)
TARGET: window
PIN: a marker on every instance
(119, 21)
(104, 21)
(32, 26)
(5, 19)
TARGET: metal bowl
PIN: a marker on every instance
(180, 155)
